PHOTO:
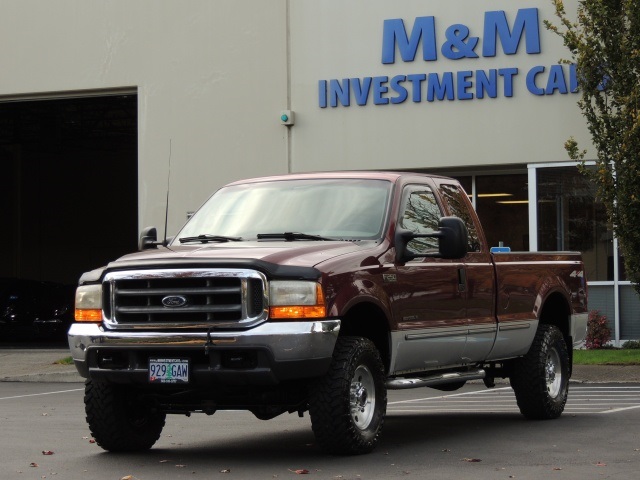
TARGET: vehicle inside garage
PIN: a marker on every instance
(69, 186)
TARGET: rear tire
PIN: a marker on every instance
(540, 379)
(348, 405)
(117, 421)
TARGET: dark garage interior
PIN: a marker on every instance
(69, 185)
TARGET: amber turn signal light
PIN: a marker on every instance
(88, 315)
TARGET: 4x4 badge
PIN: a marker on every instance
(174, 301)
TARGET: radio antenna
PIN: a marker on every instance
(166, 210)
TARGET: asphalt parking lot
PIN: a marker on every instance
(473, 433)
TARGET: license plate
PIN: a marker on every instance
(168, 370)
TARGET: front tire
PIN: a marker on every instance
(348, 405)
(540, 379)
(117, 421)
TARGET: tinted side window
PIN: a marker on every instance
(454, 196)
(420, 214)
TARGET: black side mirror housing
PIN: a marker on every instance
(148, 238)
(452, 238)
(455, 240)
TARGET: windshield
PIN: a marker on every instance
(341, 209)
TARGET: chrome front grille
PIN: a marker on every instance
(199, 298)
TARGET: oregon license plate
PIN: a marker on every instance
(168, 370)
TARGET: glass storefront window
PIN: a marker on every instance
(467, 185)
(570, 218)
(502, 205)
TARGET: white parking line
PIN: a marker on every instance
(40, 394)
(615, 410)
(453, 395)
(582, 399)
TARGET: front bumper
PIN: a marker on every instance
(268, 354)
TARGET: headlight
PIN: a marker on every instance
(293, 299)
(89, 303)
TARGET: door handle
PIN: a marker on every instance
(462, 279)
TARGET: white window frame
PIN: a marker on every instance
(533, 237)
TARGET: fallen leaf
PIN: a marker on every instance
(301, 471)
(91, 440)
(33, 464)
(471, 460)
(47, 452)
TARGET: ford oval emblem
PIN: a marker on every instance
(174, 301)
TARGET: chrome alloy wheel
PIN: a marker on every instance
(553, 373)
(362, 400)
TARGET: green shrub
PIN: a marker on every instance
(598, 331)
(631, 345)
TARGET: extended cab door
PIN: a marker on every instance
(427, 301)
(478, 276)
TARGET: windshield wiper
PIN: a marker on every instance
(210, 238)
(290, 236)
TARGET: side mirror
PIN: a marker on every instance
(452, 241)
(148, 238)
(455, 239)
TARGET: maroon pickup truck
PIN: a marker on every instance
(319, 292)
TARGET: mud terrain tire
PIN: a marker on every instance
(348, 405)
(117, 421)
(540, 379)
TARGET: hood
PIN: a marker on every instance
(291, 253)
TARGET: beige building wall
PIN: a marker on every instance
(334, 39)
(212, 77)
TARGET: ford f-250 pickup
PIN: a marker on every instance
(319, 292)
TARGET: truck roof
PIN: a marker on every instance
(391, 176)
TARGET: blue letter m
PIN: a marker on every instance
(495, 25)
(394, 34)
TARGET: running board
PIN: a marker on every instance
(451, 377)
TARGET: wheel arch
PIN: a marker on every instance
(557, 311)
(365, 319)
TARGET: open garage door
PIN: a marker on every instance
(68, 189)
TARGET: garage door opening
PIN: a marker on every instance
(69, 185)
